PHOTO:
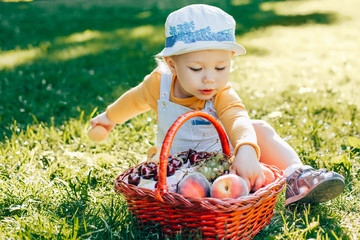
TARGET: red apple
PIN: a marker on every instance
(194, 185)
(229, 186)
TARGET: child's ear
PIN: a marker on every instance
(171, 64)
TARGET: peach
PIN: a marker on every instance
(269, 175)
(97, 133)
(194, 185)
(229, 186)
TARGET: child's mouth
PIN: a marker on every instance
(206, 91)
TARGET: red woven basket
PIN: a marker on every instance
(214, 218)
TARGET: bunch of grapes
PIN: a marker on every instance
(214, 166)
(150, 170)
(211, 165)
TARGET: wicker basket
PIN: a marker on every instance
(240, 218)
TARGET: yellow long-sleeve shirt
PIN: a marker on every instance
(227, 104)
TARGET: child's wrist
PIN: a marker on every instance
(247, 150)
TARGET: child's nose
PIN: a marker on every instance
(208, 77)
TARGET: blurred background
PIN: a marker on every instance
(58, 58)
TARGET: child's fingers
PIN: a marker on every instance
(248, 183)
(259, 182)
(93, 123)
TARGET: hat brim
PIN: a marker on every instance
(181, 48)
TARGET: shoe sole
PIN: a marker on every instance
(321, 192)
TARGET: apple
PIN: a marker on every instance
(229, 186)
(194, 185)
(97, 133)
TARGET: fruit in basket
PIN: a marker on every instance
(170, 170)
(229, 186)
(194, 185)
(156, 174)
(176, 163)
(194, 158)
(146, 172)
(151, 165)
(134, 170)
(134, 179)
(269, 175)
(214, 166)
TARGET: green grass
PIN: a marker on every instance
(61, 62)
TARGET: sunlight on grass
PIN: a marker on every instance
(143, 31)
(316, 56)
(80, 44)
(16, 1)
(87, 35)
(13, 58)
(240, 2)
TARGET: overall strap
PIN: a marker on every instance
(209, 103)
(165, 86)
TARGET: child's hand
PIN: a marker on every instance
(100, 127)
(102, 120)
(247, 166)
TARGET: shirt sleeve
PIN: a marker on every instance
(235, 119)
(137, 100)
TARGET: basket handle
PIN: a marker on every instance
(162, 187)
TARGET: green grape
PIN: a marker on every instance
(205, 171)
(218, 157)
(212, 164)
(221, 168)
(212, 175)
(226, 166)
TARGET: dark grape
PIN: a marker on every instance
(146, 172)
(176, 163)
(194, 158)
(204, 155)
(191, 151)
(170, 170)
(134, 170)
(156, 174)
(152, 165)
(134, 179)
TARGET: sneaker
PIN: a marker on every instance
(308, 185)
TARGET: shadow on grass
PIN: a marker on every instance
(59, 58)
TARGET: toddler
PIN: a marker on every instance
(200, 44)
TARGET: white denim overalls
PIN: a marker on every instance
(196, 133)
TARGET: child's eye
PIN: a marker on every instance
(220, 68)
(195, 69)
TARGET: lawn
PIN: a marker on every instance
(62, 62)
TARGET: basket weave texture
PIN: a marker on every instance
(240, 218)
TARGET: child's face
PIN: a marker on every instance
(201, 74)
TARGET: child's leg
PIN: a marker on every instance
(274, 150)
(304, 184)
